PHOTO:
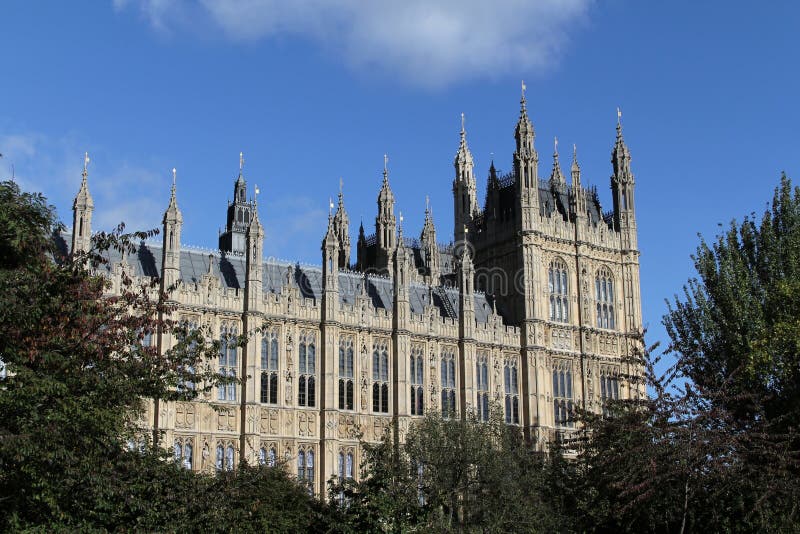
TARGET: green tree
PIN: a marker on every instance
(452, 475)
(77, 371)
(737, 326)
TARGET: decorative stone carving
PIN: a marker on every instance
(184, 415)
(561, 339)
(269, 421)
(226, 420)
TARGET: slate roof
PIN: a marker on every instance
(230, 269)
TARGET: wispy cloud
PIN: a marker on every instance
(425, 42)
(122, 192)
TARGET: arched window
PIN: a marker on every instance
(272, 457)
(187, 455)
(417, 376)
(562, 394)
(559, 292)
(345, 465)
(604, 295)
(511, 383)
(228, 361)
(609, 387)
(305, 467)
(307, 392)
(448, 368)
(220, 459)
(380, 376)
(269, 367)
(482, 379)
(346, 373)
(262, 456)
(229, 458)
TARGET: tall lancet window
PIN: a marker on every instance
(269, 367)
(380, 376)
(346, 373)
(228, 361)
(482, 379)
(511, 382)
(559, 292)
(307, 368)
(604, 295)
(417, 377)
(448, 371)
(562, 394)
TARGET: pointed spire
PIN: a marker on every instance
(557, 178)
(620, 155)
(524, 133)
(463, 156)
(385, 170)
(340, 207)
(84, 198)
(173, 201)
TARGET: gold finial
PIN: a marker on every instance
(174, 176)
(257, 191)
(555, 145)
(427, 203)
(85, 161)
(466, 230)
(241, 161)
(524, 87)
(462, 121)
(619, 116)
(574, 152)
(330, 206)
(385, 163)
(341, 185)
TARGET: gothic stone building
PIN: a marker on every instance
(532, 308)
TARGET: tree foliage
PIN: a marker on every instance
(77, 371)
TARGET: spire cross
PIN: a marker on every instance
(241, 161)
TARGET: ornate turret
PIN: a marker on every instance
(577, 197)
(385, 223)
(341, 227)
(429, 247)
(361, 248)
(233, 240)
(622, 189)
(402, 277)
(330, 270)
(526, 167)
(557, 179)
(171, 250)
(466, 278)
(465, 194)
(82, 208)
(255, 255)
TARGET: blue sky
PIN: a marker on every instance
(313, 91)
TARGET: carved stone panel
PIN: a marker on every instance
(561, 339)
(184, 415)
(269, 421)
(226, 419)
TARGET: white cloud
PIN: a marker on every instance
(50, 165)
(425, 42)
